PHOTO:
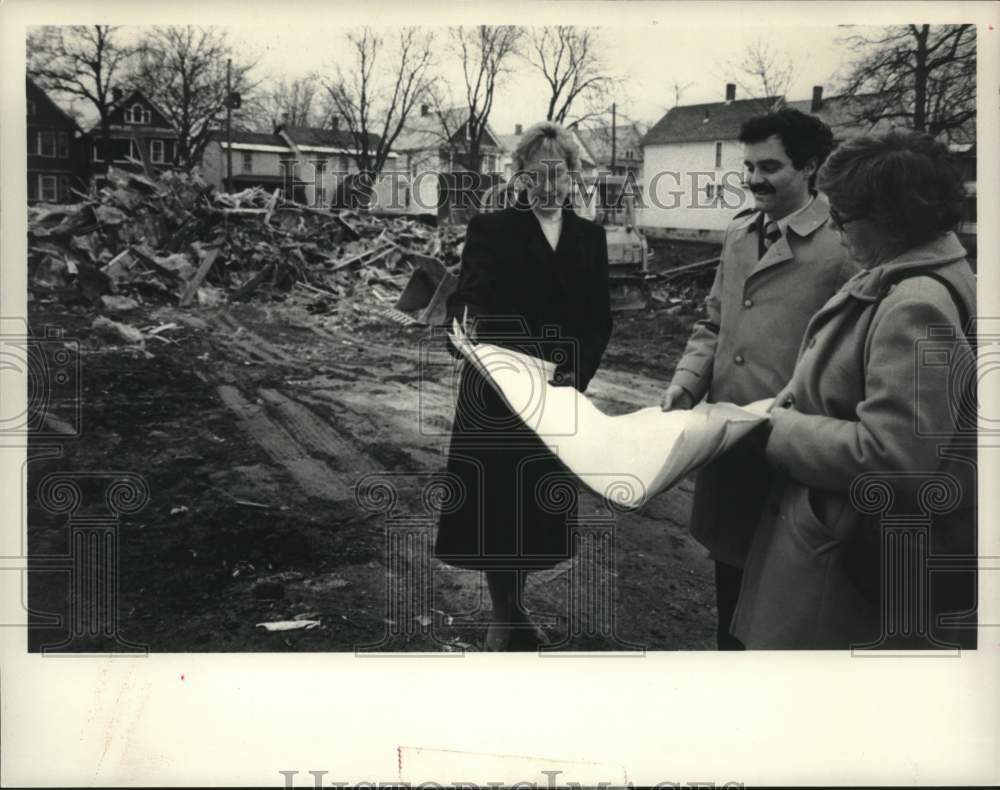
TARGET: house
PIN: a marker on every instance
(431, 146)
(693, 161)
(693, 167)
(622, 158)
(135, 120)
(56, 151)
(315, 160)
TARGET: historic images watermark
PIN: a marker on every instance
(91, 504)
(552, 781)
(916, 549)
(410, 504)
(427, 191)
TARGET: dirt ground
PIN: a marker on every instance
(251, 425)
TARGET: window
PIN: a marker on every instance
(137, 114)
(156, 151)
(48, 189)
(718, 154)
(47, 145)
(53, 144)
(247, 162)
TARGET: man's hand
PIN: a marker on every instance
(676, 397)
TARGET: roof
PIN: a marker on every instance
(125, 99)
(597, 140)
(509, 142)
(251, 138)
(706, 122)
(48, 99)
(314, 137)
(427, 131)
(840, 113)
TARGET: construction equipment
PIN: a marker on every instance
(628, 253)
(427, 290)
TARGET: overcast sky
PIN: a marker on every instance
(650, 59)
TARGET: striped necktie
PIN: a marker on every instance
(771, 234)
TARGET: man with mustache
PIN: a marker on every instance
(780, 262)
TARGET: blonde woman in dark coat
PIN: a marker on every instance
(534, 279)
(870, 422)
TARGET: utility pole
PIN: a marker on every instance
(614, 134)
(229, 125)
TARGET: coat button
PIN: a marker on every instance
(812, 341)
(748, 302)
(738, 359)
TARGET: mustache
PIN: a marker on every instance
(762, 190)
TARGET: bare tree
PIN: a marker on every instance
(569, 60)
(920, 76)
(375, 100)
(763, 73)
(485, 54)
(81, 61)
(183, 69)
(295, 102)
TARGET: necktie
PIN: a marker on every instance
(771, 233)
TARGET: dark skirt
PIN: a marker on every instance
(516, 500)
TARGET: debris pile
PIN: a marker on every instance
(174, 239)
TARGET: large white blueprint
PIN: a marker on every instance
(627, 459)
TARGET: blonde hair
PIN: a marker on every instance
(547, 138)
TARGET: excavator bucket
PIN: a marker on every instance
(628, 263)
(428, 288)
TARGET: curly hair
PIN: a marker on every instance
(804, 137)
(905, 182)
(548, 138)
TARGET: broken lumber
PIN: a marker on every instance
(191, 289)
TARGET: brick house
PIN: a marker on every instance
(56, 150)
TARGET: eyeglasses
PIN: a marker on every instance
(839, 220)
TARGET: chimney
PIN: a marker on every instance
(730, 92)
(817, 99)
(425, 109)
(116, 94)
(518, 129)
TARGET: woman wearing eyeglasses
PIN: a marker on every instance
(868, 430)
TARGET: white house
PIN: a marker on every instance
(693, 161)
(430, 147)
(312, 160)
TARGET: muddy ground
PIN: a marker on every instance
(251, 425)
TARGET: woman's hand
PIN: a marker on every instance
(782, 401)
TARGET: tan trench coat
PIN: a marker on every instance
(745, 349)
(868, 398)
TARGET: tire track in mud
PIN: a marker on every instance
(287, 442)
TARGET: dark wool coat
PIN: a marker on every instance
(513, 512)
